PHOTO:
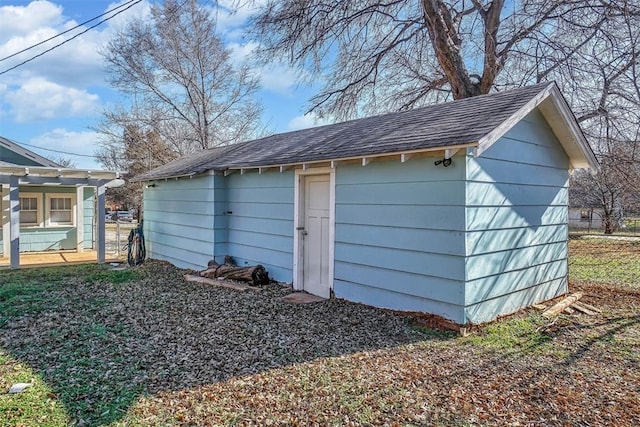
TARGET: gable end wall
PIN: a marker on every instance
(516, 215)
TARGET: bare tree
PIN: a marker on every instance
(375, 56)
(181, 83)
(614, 189)
(391, 55)
(138, 151)
(65, 162)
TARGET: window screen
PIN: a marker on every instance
(28, 210)
(60, 210)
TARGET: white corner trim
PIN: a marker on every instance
(577, 136)
(80, 219)
(6, 221)
(449, 153)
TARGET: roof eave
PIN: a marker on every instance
(166, 177)
(21, 151)
(558, 114)
(404, 155)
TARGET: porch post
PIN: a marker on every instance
(6, 222)
(100, 232)
(14, 222)
(80, 219)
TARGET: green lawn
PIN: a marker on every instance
(600, 260)
(94, 343)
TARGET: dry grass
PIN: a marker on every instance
(150, 349)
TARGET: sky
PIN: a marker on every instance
(51, 103)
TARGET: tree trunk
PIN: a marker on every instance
(256, 275)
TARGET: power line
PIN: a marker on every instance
(65, 32)
(62, 152)
(56, 151)
(68, 40)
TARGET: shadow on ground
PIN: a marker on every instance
(101, 340)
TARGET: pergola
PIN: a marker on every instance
(13, 176)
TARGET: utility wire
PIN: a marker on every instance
(68, 40)
(60, 151)
(65, 32)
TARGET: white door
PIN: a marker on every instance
(315, 236)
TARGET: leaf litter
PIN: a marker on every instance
(160, 351)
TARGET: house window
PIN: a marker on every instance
(585, 213)
(29, 211)
(60, 209)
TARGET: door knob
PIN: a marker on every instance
(304, 232)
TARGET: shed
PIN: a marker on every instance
(457, 209)
(46, 207)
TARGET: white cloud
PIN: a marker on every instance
(275, 77)
(233, 15)
(63, 82)
(307, 121)
(279, 79)
(24, 20)
(76, 63)
(83, 143)
(241, 52)
(39, 99)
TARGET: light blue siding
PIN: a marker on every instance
(397, 300)
(516, 216)
(260, 221)
(47, 238)
(220, 219)
(470, 242)
(179, 221)
(399, 240)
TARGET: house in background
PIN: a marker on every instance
(586, 218)
(458, 209)
(46, 207)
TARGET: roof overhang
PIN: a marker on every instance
(55, 176)
(447, 151)
(562, 121)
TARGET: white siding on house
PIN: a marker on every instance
(400, 235)
(179, 221)
(516, 217)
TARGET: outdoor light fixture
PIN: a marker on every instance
(446, 162)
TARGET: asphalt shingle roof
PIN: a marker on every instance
(458, 122)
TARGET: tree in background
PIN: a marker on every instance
(375, 56)
(614, 189)
(65, 162)
(140, 152)
(184, 93)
